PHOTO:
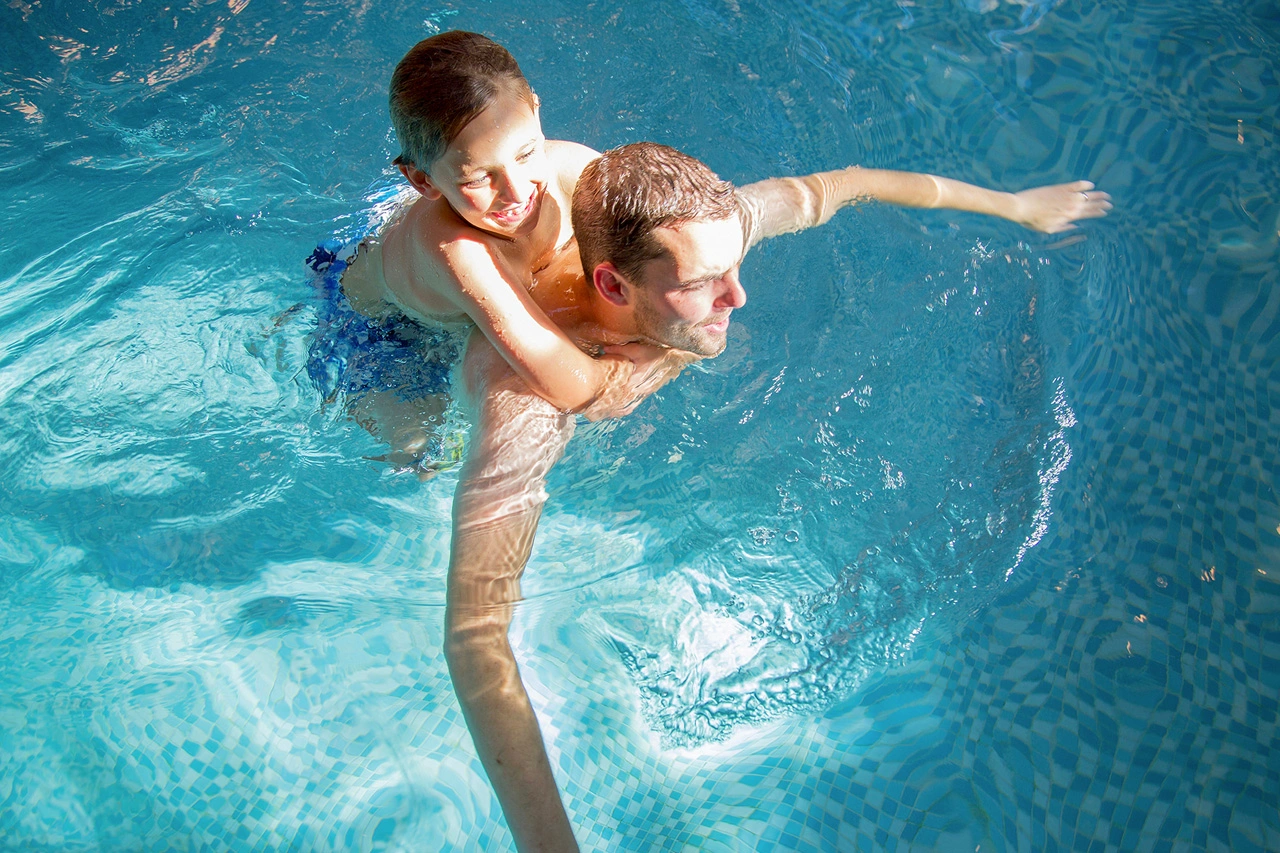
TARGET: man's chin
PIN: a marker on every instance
(708, 347)
(716, 340)
(699, 340)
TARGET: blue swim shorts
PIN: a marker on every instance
(351, 354)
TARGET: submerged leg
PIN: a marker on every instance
(411, 428)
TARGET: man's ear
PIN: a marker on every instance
(612, 285)
(420, 181)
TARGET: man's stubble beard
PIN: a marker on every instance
(677, 335)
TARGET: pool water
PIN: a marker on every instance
(968, 541)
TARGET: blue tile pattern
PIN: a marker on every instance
(1065, 719)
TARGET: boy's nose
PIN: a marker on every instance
(514, 188)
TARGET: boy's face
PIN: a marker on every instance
(683, 298)
(494, 174)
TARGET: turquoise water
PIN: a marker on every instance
(969, 539)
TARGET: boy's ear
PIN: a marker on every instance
(612, 285)
(419, 180)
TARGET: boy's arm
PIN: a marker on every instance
(538, 350)
(783, 205)
(547, 361)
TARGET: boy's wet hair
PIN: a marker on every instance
(443, 83)
(630, 191)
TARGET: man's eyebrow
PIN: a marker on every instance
(720, 274)
(708, 277)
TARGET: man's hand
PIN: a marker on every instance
(1055, 209)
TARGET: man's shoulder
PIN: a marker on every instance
(749, 214)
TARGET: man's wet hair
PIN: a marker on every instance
(441, 84)
(630, 191)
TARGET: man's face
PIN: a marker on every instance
(683, 297)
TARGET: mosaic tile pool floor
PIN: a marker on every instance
(1037, 728)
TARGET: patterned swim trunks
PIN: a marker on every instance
(352, 357)
(351, 354)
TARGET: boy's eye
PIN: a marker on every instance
(475, 183)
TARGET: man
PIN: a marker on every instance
(661, 240)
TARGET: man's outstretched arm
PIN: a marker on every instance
(784, 205)
(516, 438)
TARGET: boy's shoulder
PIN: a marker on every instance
(568, 159)
(432, 229)
(433, 249)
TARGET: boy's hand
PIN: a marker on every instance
(1055, 209)
(655, 367)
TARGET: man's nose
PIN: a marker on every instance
(733, 295)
